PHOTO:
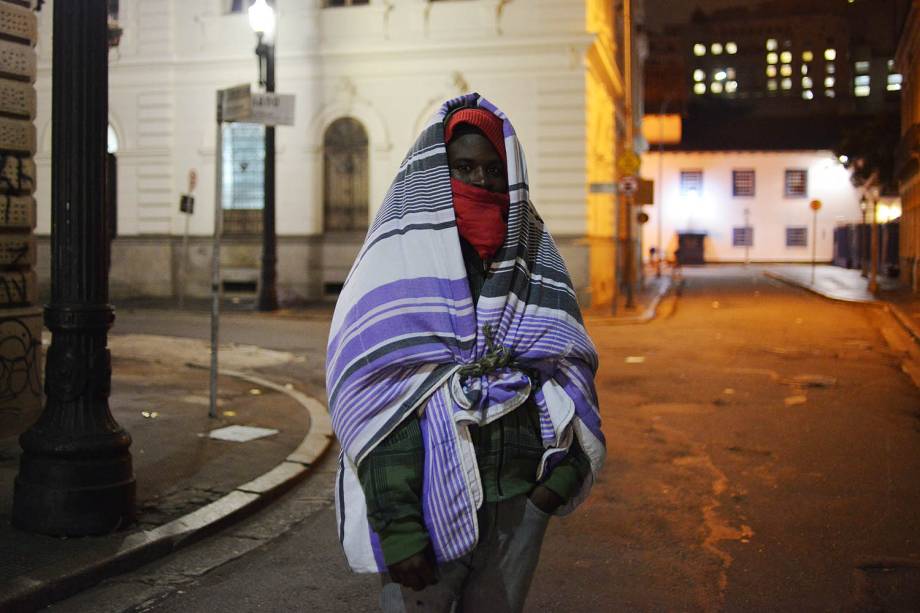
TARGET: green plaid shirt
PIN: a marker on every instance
(508, 452)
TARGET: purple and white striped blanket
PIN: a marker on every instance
(405, 324)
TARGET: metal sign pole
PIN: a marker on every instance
(814, 243)
(215, 253)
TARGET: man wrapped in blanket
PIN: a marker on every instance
(460, 377)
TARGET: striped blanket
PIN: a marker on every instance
(406, 338)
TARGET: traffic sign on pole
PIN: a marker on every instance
(629, 163)
(628, 185)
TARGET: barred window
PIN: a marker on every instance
(345, 181)
(743, 236)
(742, 183)
(244, 166)
(796, 183)
(691, 182)
(796, 236)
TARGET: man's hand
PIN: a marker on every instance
(416, 572)
(545, 499)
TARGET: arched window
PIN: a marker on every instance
(345, 176)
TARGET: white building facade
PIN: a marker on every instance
(750, 205)
(383, 68)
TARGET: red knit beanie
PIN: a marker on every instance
(487, 122)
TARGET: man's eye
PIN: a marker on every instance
(495, 171)
(463, 167)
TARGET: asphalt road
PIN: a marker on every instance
(764, 448)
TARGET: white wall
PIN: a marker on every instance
(716, 212)
(387, 64)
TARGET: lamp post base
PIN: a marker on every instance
(71, 496)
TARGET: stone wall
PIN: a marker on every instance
(20, 318)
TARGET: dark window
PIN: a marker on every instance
(329, 3)
(345, 177)
(743, 237)
(237, 6)
(796, 183)
(742, 183)
(691, 182)
(796, 236)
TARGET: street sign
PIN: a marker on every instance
(646, 192)
(235, 103)
(628, 185)
(815, 205)
(602, 188)
(629, 163)
(272, 109)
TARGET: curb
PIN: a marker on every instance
(60, 581)
(899, 315)
(795, 283)
(665, 287)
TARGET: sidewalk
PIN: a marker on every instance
(647, 300)
(849, 285)
(188, 482)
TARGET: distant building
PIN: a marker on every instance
(908, 157)
(366, 75)
(741, 192)
(815, 56)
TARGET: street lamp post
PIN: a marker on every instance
(262, 21)
(75, 474)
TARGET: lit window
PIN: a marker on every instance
(894, 82)
(890, 65)
(771, 44)
(771, 71)
(699, 49)
(699, 75)
(830, 68)
(861, 67)
(786, 84)
(830, 55)
(861, 91)
(829, 93)
(828, 81)
(771, 85)
(715, 87)
(804, 68)
(772, 58)
(806, 82)
(716, 48)
(861, 80)
(731, 48)
(808, 94)
(699, 88)
(785, 57)
(807, 56)
(796, 184)
(731, 86)
(785, 70)
(730, 73)
(719, 75)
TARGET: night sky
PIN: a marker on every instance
(661, 12)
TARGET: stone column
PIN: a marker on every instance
(76, 476)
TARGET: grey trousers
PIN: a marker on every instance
(493, 578)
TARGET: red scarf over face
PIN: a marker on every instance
(482, 216)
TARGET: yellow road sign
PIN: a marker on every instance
(629, 163)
